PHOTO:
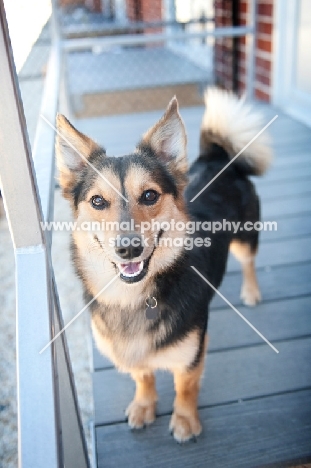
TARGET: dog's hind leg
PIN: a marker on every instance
(141, 410)
(245, 253)
(185, 422)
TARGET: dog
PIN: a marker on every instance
(127, 281)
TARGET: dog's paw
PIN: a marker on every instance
(185, 428)
(250, 295)
(140, 415)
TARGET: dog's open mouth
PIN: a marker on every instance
(132, 269)
(132, 272)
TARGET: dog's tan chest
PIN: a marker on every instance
(138, 352)
(176, 357)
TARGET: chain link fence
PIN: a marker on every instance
(132, 70)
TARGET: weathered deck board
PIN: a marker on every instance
(254, 404)
(240, 435)
(276, 283)
(229, 376)
(286, 207)
(285, 190)
(285, 173)
(291, 140)
(278, 253)
(293, 225)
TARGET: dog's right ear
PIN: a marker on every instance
(168, 139)
(73, 150)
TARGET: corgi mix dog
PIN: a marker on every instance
(125, 281)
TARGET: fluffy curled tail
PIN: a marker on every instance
(232, 123)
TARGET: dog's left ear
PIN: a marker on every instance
(168, 139)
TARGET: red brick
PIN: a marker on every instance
(263, 79)
(151, 11)
(242, 56)
(264, 45)
(241, 86)
(261, 95)
(265, 28)
(243, 7)
(265, 9)
(263, 64)
(71, 2)
(242, 69)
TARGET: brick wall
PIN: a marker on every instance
(224, 47)
(67, 3)
(144, 10)
(93, 5)
(263, 56)
(224, 50)
(152, 10)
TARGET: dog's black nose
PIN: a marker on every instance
(129, 246)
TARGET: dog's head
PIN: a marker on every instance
(130, 197)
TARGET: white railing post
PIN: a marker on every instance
(38, 424)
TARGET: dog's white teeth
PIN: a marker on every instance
(131, 269)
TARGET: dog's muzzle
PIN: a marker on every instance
(128, 248)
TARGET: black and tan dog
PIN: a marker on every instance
(152, 184)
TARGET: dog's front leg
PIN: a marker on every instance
(141, 410)
(185, 422)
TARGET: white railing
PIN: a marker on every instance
(49, 426)
(49, 423)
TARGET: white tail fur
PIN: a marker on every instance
(232, 123)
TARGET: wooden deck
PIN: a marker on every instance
(255, 405)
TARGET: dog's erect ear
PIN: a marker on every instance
(72, 151)
(168, 138)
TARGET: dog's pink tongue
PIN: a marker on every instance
(130, 268)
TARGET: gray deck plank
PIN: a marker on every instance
(293, 225)
(284, 190)
(282, 252)
(290, 173)
(295, 146)
(288, 150)
(276, 283)
(291, 158)
(284, 208)
(229, 376)
(241, 435)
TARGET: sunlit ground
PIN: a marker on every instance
(26, 19)
(189, 9)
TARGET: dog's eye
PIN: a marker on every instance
(99, 202)
(149, 197)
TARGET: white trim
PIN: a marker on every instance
(284, 39)
(88, 43)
